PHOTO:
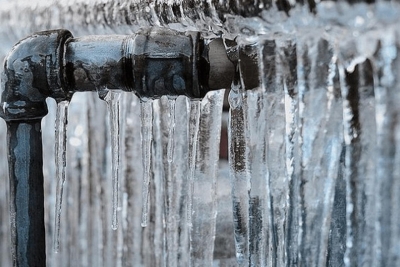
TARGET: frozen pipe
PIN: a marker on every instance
(150, 63)
(54, 64)
(32, 72)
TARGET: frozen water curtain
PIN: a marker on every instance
(231, 133)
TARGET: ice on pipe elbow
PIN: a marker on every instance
(32, 72)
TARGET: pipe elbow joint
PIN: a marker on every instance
(33, 71)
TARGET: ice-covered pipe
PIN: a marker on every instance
(32, 72)
(150, 63)
(54, 64)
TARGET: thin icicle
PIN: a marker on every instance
(146, 107)
(113, 103)
(60, 149)
(170, 148)
(193, 140)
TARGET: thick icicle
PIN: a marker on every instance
(170, 148)
(288, 59)
(254, 132)
(257, 166)
(113, 103)
(134, 235)
(387, 186)
(193, 140)
(357, 90)
(204, 210)
(175, 181)
(147, 136)
(238, 172)
(276, 184)
(321, 144)
(158, 257)
(61, 163)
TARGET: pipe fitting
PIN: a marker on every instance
(166, 63)
(32, 72)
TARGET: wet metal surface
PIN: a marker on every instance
(26, 193)
(150, 63)
(32, 72)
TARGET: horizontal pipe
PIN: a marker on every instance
(149, 63)
(95, 62)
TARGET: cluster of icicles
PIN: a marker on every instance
(113, 99)
(312, 153)
(211, 110)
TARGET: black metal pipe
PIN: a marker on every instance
(150, 63)
(32, 72)
(26, 193)
(95, 62)
(54, 64)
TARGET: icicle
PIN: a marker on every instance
(289, 62)
(386, 187)
(159, 258)
(321, 134)
(204, 202)
(61, 163)
(193, 140)
(135, 236)
(175, 180)
(113, 103)
(170, 148)
(238, 170)
(257, 165)
(278, 76)
(146, 107)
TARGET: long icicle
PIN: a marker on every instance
(194, 121)
(238, 162)
(146, 107)
(238, 173)
(204, 183)
(60, 158)
(112, 99)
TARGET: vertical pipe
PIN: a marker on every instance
(26, 193)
